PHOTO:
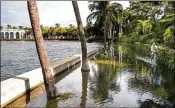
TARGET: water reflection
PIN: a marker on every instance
(150, 104)
(155, 76)
(85, 76)
(98, 82)
(103, 80)
(119, 79)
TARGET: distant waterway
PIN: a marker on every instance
(18, 57)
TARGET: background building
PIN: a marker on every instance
(14, 34)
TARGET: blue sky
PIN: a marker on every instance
(15, 13)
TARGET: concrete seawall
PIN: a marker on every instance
(18, 86)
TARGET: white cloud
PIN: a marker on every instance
(14, 13)
(61, 12)
(50, 12)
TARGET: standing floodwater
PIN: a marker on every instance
(125, 77)
(18, 57)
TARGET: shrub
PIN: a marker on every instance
(168, 36)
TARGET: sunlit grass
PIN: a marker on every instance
(108, 62)
(64, 96)
(54, 102)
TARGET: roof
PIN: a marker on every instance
(12, 30)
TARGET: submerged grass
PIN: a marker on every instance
(53, 103)
(108, 62)
(64, 96)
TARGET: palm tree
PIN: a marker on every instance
(46, 70)
(104, 13)
(9, 26)
(51, 31)
(85, 65)
(57, 25)
(20, 27)
(57, 28)
(98, 9)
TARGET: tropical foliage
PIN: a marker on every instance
(70, 32)
(106, 17)
(157, 26)
(143, 21)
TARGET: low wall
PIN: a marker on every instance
(16, 87)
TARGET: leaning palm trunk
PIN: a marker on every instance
(85, 65)
(46, 70)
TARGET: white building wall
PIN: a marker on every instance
(21, 33)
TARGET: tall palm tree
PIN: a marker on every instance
(99, 11)
(104, 13)
(85, 65)
(46, 70)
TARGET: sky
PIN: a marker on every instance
(15, 13)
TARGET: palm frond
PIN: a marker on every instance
(92, 16)
(92, 7)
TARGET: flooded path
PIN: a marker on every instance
(118, 79)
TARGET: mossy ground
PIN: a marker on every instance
(54, 102)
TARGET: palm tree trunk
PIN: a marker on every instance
(113, 33)
(85, 65)
(46, 70)
(110, 37)
(105, 31)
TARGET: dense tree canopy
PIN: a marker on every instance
(142, 21)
